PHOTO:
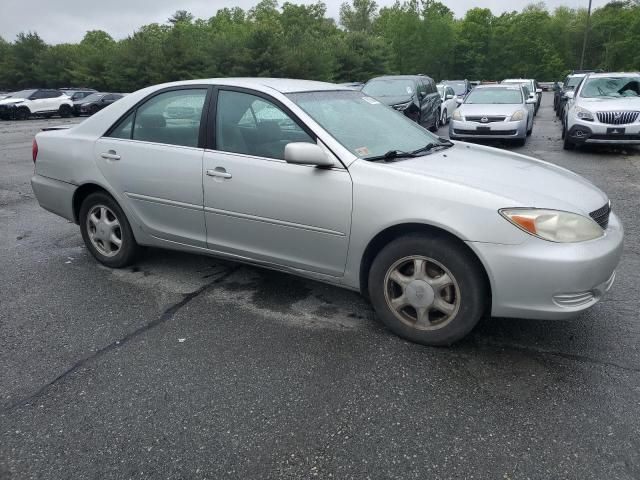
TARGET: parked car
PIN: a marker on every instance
(535, 91)
(449, 102)
(4, 95)
(604, 109)
(560, 96)
(494, 112)
(94, 103)
(326, 182)
(25, 103)
(76, 94)
(461, 87)
(414, 95)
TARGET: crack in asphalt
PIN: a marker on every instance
(568, 356)
(166, 315)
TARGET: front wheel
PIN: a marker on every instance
(65, 111)
(106, 231)
(436, 122)
(445, 118)
(22, 113)
(427, 289)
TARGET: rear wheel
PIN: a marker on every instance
(65, 110)
(427, 289)
(445, 117)
(436, 122)
(106, 231)
(93, 109)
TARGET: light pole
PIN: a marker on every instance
(586, 36)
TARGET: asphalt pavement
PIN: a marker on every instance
(187, 367)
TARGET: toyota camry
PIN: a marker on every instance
(325, 182)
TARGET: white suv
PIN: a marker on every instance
(21, 105)
(604, 108)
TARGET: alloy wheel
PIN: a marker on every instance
(422, 293)
(104, 230)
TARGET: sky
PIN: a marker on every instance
(60, 21)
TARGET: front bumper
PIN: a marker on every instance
(581, 132)
(461, 129)
(544, 280)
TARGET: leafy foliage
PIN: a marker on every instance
(299, 40)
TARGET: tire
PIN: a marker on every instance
(520, 142)
(530, 131)
(445, 118)
(94, 109)
(22, 113)
(95, 234)
(436, 122)
(65, 110)
(567, 144)
(464, 297)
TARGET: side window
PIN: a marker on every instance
(171, 117)
(422, 88)
(38, 95)
(251, 125)
(124, 129)
(108, 98)
(432, 86)
(451, 91)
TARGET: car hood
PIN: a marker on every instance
(514, 180)
(394, 99)
(489, 109)
(604, 104)
(10, 100)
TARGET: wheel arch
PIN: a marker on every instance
(82, 192)
(380, 240)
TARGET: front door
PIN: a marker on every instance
(153, 158)
(259, 206)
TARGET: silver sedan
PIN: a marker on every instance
(494, 112)
(325, 182)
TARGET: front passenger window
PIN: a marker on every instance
(254, 126)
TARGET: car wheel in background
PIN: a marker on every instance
(93, 109)
(427, 289)
(530, 131)
(445, 118)
(567, 143)
(22, 113)
(436, 122)
(106, 231)
(520, 142)
(65, 111)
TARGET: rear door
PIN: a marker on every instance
(153, 158)
(260, 207)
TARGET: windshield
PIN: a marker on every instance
(441, 90)
(362, 124)
(23, 94)
(527, 83)
(389, 87)
(572, 82)
(498, 95)
(459, 87)
(94, 97)
(611, 87)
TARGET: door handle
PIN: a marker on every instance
(219, 172)
(110, 155)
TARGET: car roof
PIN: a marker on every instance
(495, 85)
(282, 85)
(613, 74)
(399, 77)
(515, 80)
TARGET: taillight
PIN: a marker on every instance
(34, 150)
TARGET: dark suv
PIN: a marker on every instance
(414, 95)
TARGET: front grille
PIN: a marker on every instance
(484, 132)
(617, 118)
(601, 215)
(490, 118)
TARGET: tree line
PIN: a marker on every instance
(301, 41)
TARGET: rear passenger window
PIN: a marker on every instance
(171, 117)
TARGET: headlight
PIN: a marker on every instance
(519, 115)
(553, 225)
(584, 114)
(402, 106)
(457, 115)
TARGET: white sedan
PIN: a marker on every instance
(449, 102)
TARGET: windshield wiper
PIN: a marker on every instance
(391, 155)
(444, 143)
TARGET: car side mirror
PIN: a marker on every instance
(459, 100)
(531, 100)
(538, 90)
(422, 94)
(304, 153)
(569, 94)
(448, 97)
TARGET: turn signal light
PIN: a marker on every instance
(34, 150)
